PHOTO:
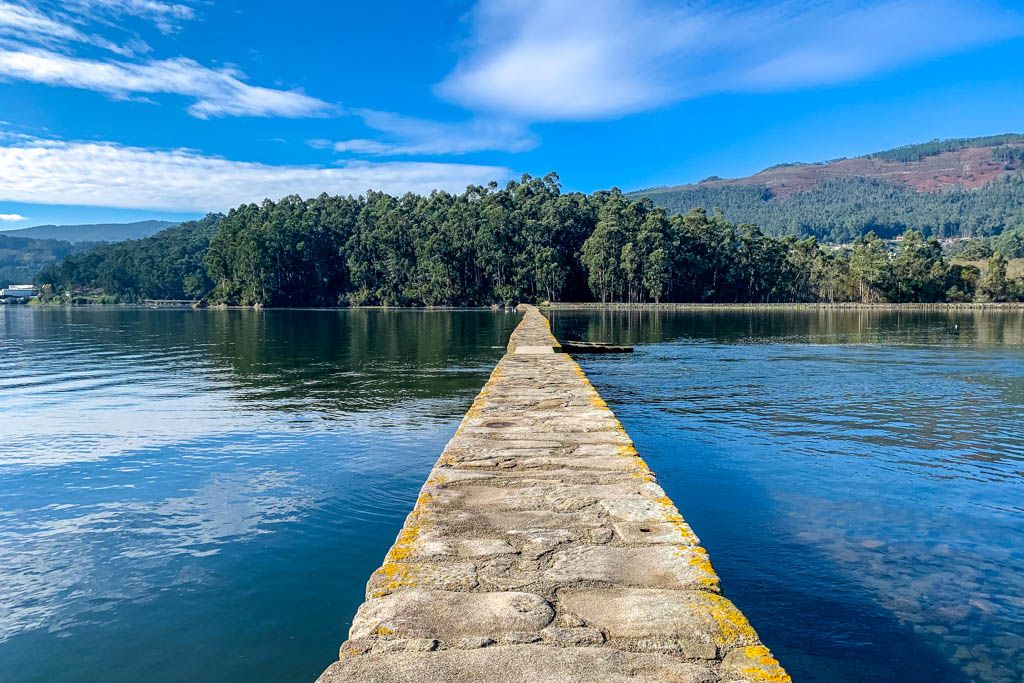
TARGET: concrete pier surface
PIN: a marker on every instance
(542, 549)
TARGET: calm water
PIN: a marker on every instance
(858, 477)
(201, 495)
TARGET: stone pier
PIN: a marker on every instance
(542, 549)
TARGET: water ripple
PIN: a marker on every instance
(205, 482)
(860, 478)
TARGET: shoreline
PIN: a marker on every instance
(967, 306)
(574, 306)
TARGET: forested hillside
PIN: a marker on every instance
(21, 259)
(527, 241)
(168, 265)
(935, 147)
(946, 188)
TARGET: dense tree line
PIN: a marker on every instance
(484, 245)
(527, 241)
(1009, 243)
(842, 209)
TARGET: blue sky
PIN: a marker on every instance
(130, 109)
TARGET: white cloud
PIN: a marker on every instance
(588, 59)
(11, 217)
(407, 136)
(218, 92)
(111, 175)
(37, 47)
(24, 23)
(167, 16)
(29, 21)
(867, 38)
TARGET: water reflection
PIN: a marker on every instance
(950, 327)
(860, 476)
(217, 483)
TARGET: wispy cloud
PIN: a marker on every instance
(27, 21)
(587, 59)
(39, 47)
(409, 136)
(11, 217)
(167, 16)
(22, 24)
(218, 92)
(107, 174)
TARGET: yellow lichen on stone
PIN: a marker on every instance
(699, 558)
(395, 575)
(347, 650)
(644, 476)
(480, 402)
(684, 530)
(673, 517)
(733, 627)
(767, 670)
(642, 471)
(383, 631)
(403, 546)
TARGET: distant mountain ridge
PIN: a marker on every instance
(92, 232)
(956, 187)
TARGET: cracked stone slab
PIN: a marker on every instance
(519, 664)
(659, 532)
(512, 523)
(680, 567)
(437, 545)
(597, 462)
(448, 616)
(395, 576)
(700, 623)
(532, 495)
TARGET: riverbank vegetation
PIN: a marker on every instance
(527, 241)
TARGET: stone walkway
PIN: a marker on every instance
(541, 549)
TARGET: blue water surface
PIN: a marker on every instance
(857, 476)
(202, 495)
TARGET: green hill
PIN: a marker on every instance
(93, 232)
(963, 187)
(21, 258)
(167, 265)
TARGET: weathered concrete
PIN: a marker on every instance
(541, 549)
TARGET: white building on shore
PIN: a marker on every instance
(19, 291)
